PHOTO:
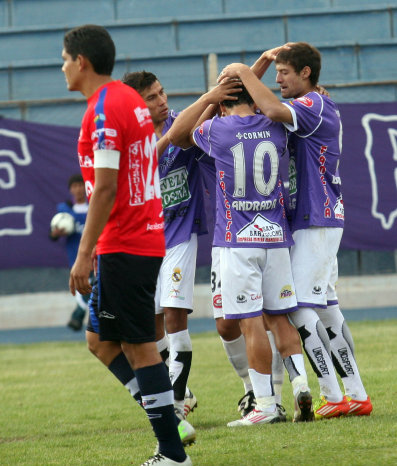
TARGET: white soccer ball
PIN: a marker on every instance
(63, 221)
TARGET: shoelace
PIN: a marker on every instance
(154, 459)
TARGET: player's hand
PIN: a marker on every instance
(232, 71)
(225, 90)
(57, 232)
(80, 273)
(321, 90)
(271, 54)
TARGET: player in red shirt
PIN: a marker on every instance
(118, 160)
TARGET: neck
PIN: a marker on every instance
(158, 128)
(240, 110)
(95, 81)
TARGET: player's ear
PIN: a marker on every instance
(305, 72)
(222, 109)
(82, 62)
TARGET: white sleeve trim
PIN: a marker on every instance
(107, 159)
(294, 125)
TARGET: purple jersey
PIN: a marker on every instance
(314, 145)
(181, 191)
(249, 191)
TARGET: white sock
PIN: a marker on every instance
(263, 390)
(237, 355)
(342, 348)
(316, 343)
(277, 369)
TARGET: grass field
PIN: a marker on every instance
(58, 405)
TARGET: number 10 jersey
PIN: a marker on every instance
(249, 192)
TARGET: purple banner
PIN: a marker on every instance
(36, 161)
(368, 170)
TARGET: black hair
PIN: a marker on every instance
(302, 54)
(243, 97)
(93, 42)
(77, 178)
(139, 80)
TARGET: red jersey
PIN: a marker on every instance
(117, 119)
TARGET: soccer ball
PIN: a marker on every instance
(63, 221)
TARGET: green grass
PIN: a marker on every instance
(59, 405)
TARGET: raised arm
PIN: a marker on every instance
(180, 133)
(261, 65)
(264, 98)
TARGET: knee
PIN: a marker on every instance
(228, 329)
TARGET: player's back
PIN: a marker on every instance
(246, 149)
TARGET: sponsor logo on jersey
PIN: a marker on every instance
(104, 144)
(154, 226)
(201, 129)
(217, 301)
(286, 292)
(112, 133)
(167, 160)
(99, 116)
(292, 176)
(142, 115)
(260, 230)
(175, 188)
(253, 135)
(306, 101)
(254, 205)
(176, 275)
(316, 289)
(86, 161)
(321, 364)
(339, 209)
(240, 299)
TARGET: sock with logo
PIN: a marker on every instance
(158, 401)
(317, 347)
(342, 348)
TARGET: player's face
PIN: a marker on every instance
(77, 190)
(70, 69)
(156, 101)
(291, 83)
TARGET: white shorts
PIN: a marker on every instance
(175, 282)
(256, 280)
(314, 265)
(216, 283)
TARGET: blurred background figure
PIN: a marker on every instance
(76, 207)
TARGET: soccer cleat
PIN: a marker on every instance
(359, 408)
(303, 407)
(256, 417)
(246, 404)
(325, 409)
(160, 459)
(190, 402)
(187, 433)
(281, 412)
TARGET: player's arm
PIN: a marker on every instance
(263, 97)
(100, 206)
(261, 65)
(181, 132)
(162, 144)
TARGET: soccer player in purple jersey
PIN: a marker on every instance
(184, 218)
(317, 218)
(253, 235)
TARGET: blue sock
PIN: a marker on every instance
(121, 369)
(158, 400)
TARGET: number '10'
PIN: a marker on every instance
(262, 149)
